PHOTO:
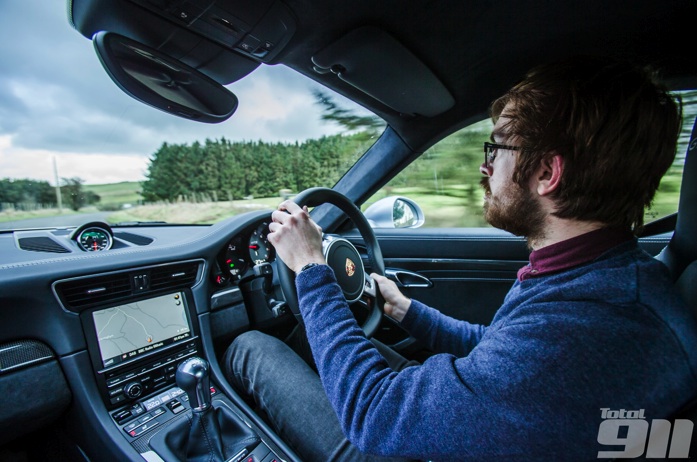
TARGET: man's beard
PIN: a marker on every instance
(514, 210)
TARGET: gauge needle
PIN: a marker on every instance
(94, 245)
(254, 247)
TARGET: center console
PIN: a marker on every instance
(136, 348)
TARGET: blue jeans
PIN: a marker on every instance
(289, 392)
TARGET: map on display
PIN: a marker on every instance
(133, 329)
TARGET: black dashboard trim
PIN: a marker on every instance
(199, 278)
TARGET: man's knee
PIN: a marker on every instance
(250, 341)
(242, 352)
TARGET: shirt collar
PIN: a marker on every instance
(573, 252)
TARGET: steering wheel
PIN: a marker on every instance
(343, 258)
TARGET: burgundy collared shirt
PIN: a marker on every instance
(572, 252)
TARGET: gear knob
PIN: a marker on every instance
(193, 376)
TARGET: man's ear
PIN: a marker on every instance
(549, 174)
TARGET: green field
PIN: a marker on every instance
(114, 196)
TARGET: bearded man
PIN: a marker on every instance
(592, 323)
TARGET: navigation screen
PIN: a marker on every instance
(127, 331)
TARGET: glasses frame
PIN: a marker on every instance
(491, 148)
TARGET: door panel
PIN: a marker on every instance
(470, 270)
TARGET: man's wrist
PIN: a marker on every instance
(307, 267)
(400, 309)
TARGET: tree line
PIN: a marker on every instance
(26, 194)
(222, 170)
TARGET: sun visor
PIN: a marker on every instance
(375, 63)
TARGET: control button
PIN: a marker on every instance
(152, 404)
(249, 44)
(118, 399)
(145, 418)
(133, 389)
(116, 380)
(142, 428)
(140, 282)
(158, 412)
(175, 406)
(121, 415)
(131, 426)
(137, 409)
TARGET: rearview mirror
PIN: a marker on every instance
(161, 81)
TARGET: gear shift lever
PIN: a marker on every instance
(193, 376)
(212, 432)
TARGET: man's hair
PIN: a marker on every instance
(614, 125)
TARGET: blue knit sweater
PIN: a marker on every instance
(608, 334)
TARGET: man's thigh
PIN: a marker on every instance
(291, 396)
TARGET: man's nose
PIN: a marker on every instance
(484, 170)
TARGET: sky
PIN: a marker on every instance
(58, 104)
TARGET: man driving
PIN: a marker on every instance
(592, 322)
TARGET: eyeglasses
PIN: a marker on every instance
(490, 149)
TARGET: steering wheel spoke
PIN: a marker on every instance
(370, 287)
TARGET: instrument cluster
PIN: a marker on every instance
(246, 250)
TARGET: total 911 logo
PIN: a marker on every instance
(635, 436)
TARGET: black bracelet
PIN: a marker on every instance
(308, 266)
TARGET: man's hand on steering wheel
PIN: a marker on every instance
(299, 241)
(296, 237)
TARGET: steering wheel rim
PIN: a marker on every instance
(316, 196)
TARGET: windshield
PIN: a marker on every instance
(74, 148)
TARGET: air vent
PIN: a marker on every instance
(41, 244)
(90, 291)
(81, 293)
(171, 276)
(134, 238)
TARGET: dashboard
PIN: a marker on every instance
(97, 319)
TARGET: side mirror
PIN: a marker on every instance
(161, 81)
(395, 212)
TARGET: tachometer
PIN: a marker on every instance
(260, 251)
(94, 239)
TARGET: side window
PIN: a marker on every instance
(444, 181)
(666, 200)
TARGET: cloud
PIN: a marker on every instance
(56, 100)
(93, 168)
